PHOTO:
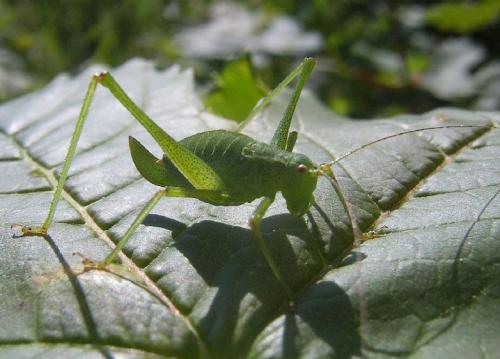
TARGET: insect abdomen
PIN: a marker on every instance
(245, 178)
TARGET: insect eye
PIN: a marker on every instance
(301, 168)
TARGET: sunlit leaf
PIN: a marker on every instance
(192, 282)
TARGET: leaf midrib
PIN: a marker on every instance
(449, 158)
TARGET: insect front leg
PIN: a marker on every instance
(255, 225)
(326, 171)
(281, 136)
(304, 70)
(290, 143)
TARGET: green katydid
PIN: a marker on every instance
(218, 167)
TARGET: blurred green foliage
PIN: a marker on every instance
(237, 91)
(463, 17)
(54, 36)
(374, 59)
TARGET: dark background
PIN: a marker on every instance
(375, 58)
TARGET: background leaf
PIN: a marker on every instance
(463, 17)
(237, 91)
(192, 283)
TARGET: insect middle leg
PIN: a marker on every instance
(255, 225)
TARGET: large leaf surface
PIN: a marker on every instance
(192, 282)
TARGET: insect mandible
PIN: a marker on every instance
(219, 167)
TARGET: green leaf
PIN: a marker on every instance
(237, 92)
(192, 282)
(463, 17)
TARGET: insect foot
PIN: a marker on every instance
(89, 264)
(373, 234)
(29, 231)
(100, 76)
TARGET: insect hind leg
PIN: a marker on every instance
(205, 195)
(150, 167)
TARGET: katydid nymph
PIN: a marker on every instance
(219, 167)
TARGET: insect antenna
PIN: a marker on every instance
(347, 154)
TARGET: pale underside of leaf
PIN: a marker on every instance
(193, 283)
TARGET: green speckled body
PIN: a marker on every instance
(249, 169)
